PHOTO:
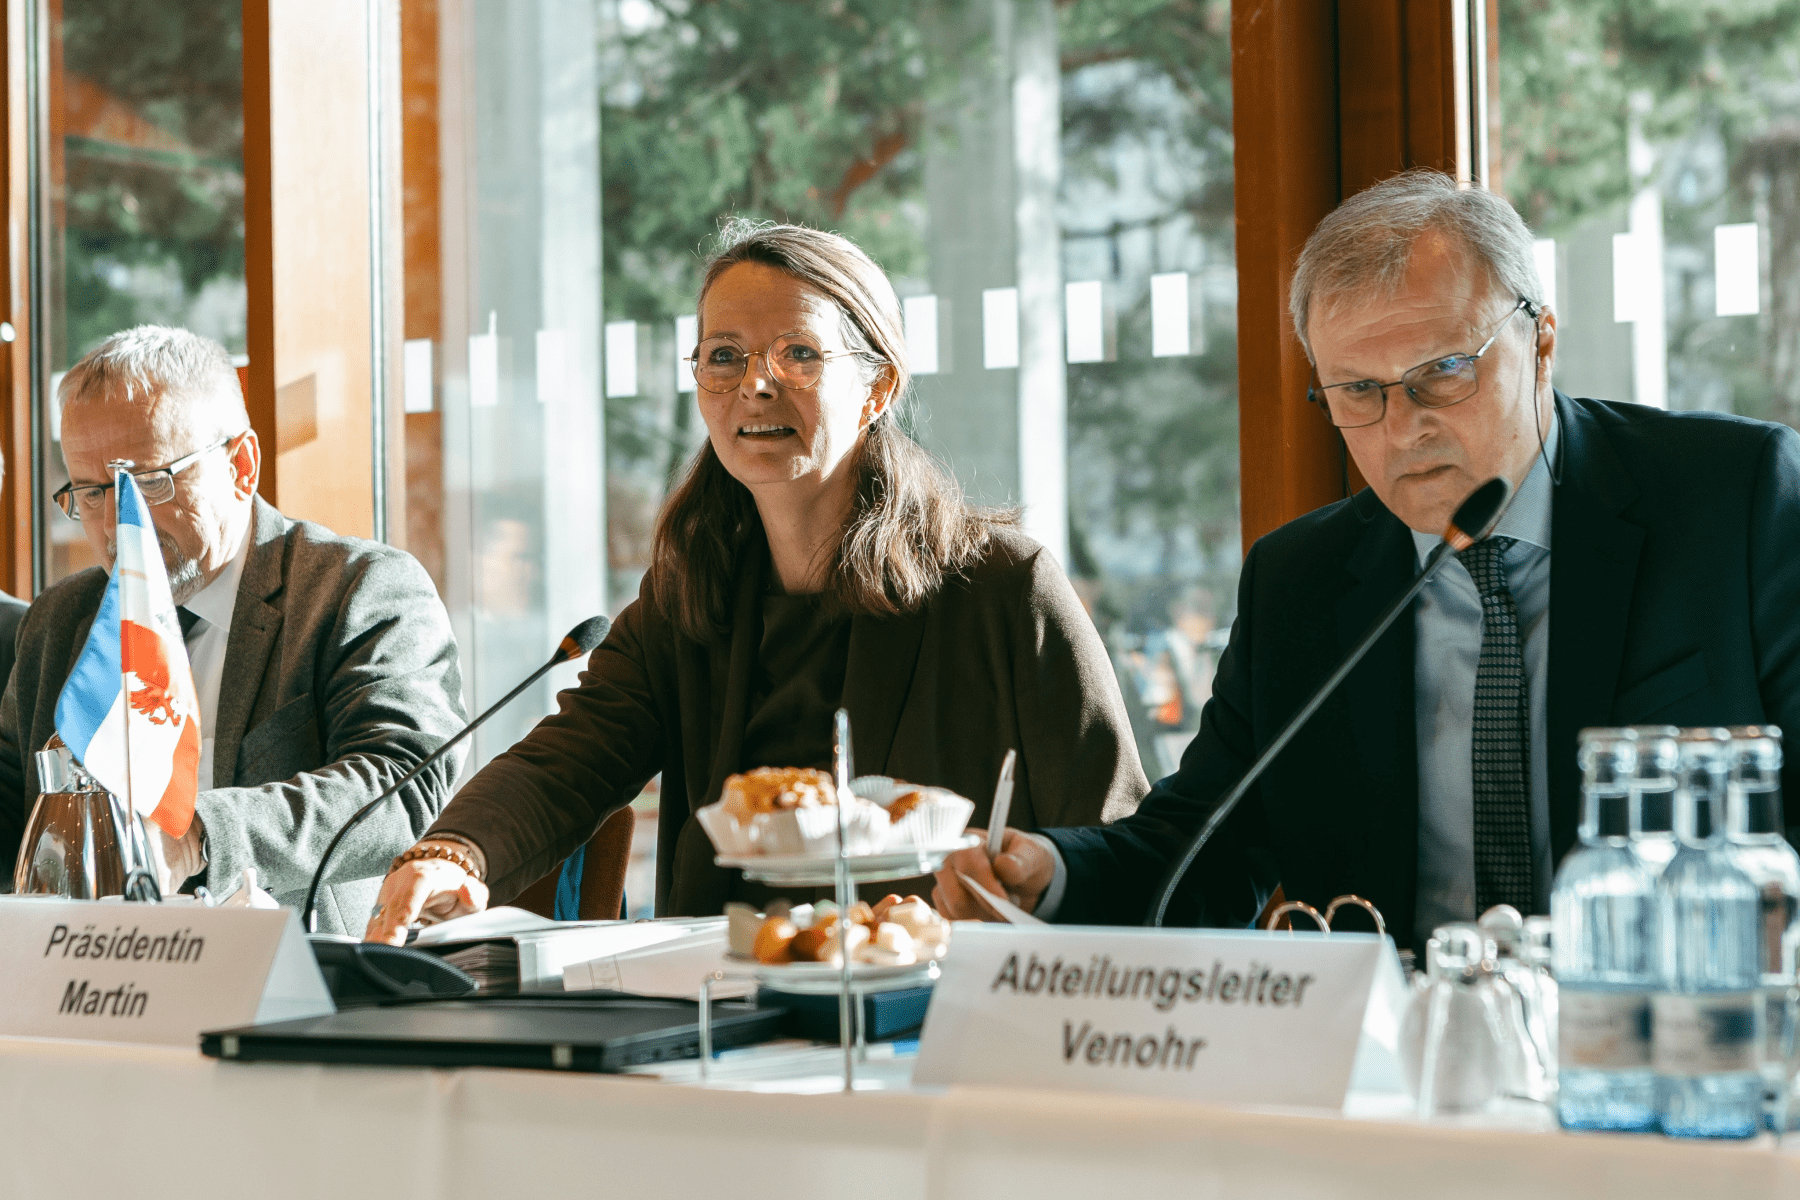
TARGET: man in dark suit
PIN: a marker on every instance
(1441, 777)
(324, 665)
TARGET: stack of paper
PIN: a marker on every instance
(544, 947)
(674, 967)
(494, 965)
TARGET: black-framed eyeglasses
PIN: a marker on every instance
(157, 485)
(1439, 383)
(795, 360)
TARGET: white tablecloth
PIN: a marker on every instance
(79, 1119)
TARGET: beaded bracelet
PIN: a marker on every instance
(438, 850)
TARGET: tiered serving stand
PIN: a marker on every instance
(849, 981)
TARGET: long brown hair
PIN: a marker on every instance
(910, 526)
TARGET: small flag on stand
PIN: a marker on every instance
(129, 711)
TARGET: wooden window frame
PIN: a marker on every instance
(19, 526)
(1322, 131)
(1339, 96)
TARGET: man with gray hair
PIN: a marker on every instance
(325, 665)
(1441, 777)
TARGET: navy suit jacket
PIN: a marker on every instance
(1674, 598)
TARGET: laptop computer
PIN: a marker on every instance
(567, 1031)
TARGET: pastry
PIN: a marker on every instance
(886, 904)
(774, 941)
(820, 943)
(913, 915)
(928, 817)
(915, 934)
(890, 936)
(806, 944)
(857, 938)
(812, 829)
(825, 914)
(905, 804)
(776, 789)
(930, 932)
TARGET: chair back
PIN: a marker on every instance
(602, 873)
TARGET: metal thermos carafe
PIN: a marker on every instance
(80, 843)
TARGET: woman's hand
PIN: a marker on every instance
(425, 889)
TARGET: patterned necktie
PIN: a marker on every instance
(1502, 746)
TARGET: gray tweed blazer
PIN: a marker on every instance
(341, 674)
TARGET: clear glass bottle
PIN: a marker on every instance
(1707, 1018)
(1603, 948)
(1653, 794)
(1755, 832)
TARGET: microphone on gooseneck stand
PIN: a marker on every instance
(1473, 521)
(579, 642)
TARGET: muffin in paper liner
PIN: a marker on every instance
(881, 789)
(774, 789)
(728, 837)
(813, 831)
(935, 820)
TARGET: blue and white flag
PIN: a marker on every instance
(134, 669)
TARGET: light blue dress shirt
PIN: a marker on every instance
(1447, 629)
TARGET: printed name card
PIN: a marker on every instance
(1215, 1015)
(163, 973)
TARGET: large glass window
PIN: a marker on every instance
(1655, 150)
(1047, 183)
(141, 189)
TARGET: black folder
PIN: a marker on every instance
(564, 1031)
(887, 1016)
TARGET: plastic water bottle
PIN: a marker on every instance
(1603, 949)
(1653, 794)
(1708, 1015)
(1755, 834)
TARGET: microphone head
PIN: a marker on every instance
(580, 641)
(1479, 513)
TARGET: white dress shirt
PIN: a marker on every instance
(213, 604)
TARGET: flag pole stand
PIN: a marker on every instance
(140, 880)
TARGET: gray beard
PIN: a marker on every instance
(184, 580)
(184, 573)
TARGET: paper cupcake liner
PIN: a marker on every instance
(728, 837)
(880, 789)
(938, 820)
(813, 831)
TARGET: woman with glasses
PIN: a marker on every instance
(812, 556)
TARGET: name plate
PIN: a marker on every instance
(1215, 1015)
(160, 973)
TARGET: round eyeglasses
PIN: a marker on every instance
(795, 360)
(156, 485)
(1439, 383)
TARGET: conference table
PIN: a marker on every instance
(92, 1119)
